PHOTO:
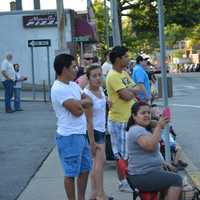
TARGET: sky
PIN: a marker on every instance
(45, 4)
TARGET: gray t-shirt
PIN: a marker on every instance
(141, 161)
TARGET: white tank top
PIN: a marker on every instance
(99, 110)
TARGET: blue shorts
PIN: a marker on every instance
(74, 153)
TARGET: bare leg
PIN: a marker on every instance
(70, 188)
(93, 182)
(178, 154)
(98, 171)
(173, 193)
(82, 184)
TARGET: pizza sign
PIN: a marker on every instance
(40, 20)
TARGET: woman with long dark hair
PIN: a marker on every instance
(145, 170)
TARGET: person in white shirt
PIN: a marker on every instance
(69, 105)
(107, 66)
(17, 87)
(8, 78)
(95, 92)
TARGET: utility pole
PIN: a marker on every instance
(106, 24)
(115, 23)
(61, 25)
(164, 75)
(36, 4)
(18, 4)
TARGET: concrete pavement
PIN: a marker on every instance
(48, 182)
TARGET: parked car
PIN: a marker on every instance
(197, 67)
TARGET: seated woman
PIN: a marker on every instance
(145, 170)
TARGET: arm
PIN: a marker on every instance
(89, 116)
(129, 93)
(74, 106)
(3, 72)
(142, 88)
(150, 142)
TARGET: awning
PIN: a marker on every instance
(84, 31)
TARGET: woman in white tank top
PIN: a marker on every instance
(95, 92)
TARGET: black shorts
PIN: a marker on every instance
(155, 181)
(99, 137)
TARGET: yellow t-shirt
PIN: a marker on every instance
(120, 109)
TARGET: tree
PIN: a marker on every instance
(139, 22)
(173, 33)
(100, 23)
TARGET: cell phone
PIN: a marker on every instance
(167, 112)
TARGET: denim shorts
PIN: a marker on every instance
(99, 137)
(118, 139)
(74, 153)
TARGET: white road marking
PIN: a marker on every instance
(185, 105)
(190, 87)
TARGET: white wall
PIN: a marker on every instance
(14, 37)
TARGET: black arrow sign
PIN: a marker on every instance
(39, 43)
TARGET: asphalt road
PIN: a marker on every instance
(185, 106)
(26, 138)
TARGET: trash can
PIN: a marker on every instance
(169, 86)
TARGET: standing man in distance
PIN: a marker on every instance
(107, 66)
(8, 78)
(121, 91)
(82, 78)
(69, 104)
(140, 77)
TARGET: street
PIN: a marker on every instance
(186, 113)
(25, 141)
(27, 137)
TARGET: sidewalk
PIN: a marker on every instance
(47, 184)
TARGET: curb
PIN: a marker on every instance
(30, 100)
(192, 171)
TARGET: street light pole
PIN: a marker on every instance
(106, 24)
(115, 23)
(164, 75)
(61, 25)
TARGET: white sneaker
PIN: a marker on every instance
(124, 187)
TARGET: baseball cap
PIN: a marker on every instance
(141, 58)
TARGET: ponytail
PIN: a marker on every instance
(130, 123)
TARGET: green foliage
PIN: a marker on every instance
(100, 23)
(178, 53)
(140, 23)
(173, 33)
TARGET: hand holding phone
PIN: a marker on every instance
(167, 113)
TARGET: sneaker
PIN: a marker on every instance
(9, 111)
(178, 167)
(124, 187)
(19, 109)
(182, 163)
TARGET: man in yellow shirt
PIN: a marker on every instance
(121, 92)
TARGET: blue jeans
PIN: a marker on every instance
(8, 86)
(17, 99)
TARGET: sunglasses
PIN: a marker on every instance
(88, 58)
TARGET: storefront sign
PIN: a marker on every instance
(40, 21)
(82, 39)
